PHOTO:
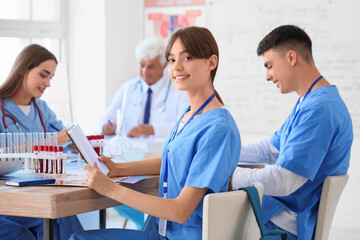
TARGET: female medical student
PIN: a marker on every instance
(23, 111)
(199, 154)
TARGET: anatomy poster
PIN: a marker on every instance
(163, 17)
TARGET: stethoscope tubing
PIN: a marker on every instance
(162, 107)
(14, 120)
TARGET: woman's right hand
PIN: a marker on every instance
(113, 172)
(109, 128)
(62, 137)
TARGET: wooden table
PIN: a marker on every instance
(51, 202)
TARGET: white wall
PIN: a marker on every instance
(102, 36)
(123, 31)
(86, 57)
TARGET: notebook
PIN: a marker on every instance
(29, 181)
(86, 150)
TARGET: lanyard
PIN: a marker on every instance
(14, 120)
(307, 92)
(173, 136)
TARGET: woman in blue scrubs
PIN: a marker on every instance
(20, 103)
(199, 155)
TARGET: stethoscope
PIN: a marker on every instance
(14, 120)
(162, 107)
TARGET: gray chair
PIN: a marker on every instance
(330, 195)
(229, 215)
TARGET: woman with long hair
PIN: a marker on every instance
(199, 156)
(23, 111)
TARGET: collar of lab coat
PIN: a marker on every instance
(159, 85)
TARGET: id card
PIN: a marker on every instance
(162, 227)
(163, 222)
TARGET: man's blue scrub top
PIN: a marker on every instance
(314, 143)
(204, 154)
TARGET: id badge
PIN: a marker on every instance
(162, 227)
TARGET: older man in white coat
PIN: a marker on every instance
(152, 103)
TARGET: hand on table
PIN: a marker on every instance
(140, 130)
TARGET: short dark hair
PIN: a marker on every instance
(285, 38)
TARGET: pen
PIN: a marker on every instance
(55, 128)
(111, 124)
(66, 144)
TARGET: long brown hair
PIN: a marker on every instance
(199, 43)
(29, 58)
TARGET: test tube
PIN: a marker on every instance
(22, 146)
(9, 143)
(16, 142)
(35, 137)
(29, 144)
(61, 167)
(22, 150)
(16, 145)
(36, 159)
(102, 137)
(3, 143)
(54, 160)
(48, 139)
(41, 139)
(41, 158)
(54, 137)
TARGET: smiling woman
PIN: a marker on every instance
(23, 111)
(28, 79)
(199, 155)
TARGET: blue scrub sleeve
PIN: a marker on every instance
(276, 137)
(307, 142)
(217, 153)
(51, 122)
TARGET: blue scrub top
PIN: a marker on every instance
(13, 227)
(314, 144)
(32, 122)
(203, 155)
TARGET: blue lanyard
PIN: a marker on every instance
(307, 92)
(173, 136)
(312, 85)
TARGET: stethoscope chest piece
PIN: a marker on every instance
(162, 108)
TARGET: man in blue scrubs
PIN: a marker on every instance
(313, 143)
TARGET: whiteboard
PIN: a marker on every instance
(238, 26)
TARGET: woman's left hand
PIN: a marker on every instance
(98, 181)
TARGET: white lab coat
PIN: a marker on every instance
(136, 94)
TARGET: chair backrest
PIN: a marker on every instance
(330, 195)
(229, 215)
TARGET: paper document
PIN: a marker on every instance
(86, 150)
